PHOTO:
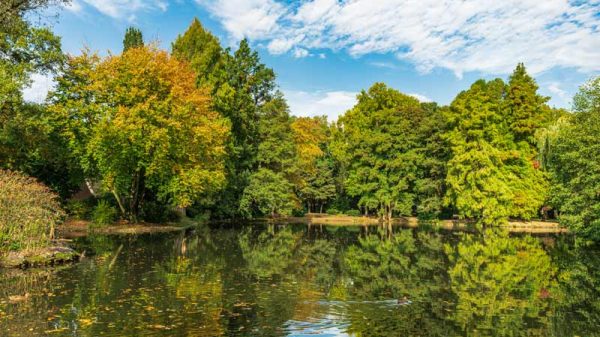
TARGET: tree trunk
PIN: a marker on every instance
(321, 209)
(121, 207)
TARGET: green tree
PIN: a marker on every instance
(28, 140)
(133, 39)
(575, 164)
(204, 52)
(527, 110)
(380, 148)
(268, 193)
(490, 177)
(247, 86)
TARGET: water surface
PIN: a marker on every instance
(318, 281)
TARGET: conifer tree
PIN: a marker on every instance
(133, 39)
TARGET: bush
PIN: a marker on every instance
(156, 212)
(104, 214)
(299, 212)
(78, 209)
(333, 211)
(29, 212)
(353, 212)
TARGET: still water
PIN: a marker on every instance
(318, 281)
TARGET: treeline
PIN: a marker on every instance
(204, 130)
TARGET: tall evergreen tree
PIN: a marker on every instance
(527, 109)
(489, 177)
(133, 38)
(203, 51)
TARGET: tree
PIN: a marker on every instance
(12, 12)
(246, 87)
(28, 141)
(142, 130)
(315, 183)
(269, 193)
(133, 39)
(380, 140)
(430, 185)
(204, 53)
(575, 164)
(489, 176)
(527, 109)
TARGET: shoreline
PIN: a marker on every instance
(513, 226)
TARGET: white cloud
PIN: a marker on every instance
(38, 90)
(300, 53)
(555, 88)
(421, 98)
(479, 35)
(318, 103)
(387, 65)
(119, 9)
(253, 19)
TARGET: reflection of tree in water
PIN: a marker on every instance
(501, 284)
(405, 266)
(577, 299)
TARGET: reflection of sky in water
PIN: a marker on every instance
(333, 327)
(335, 321)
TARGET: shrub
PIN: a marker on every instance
(104, 214)
(299, 212)
(29, 212)
(353, 212)
(78, 209)
(156, 212)
(333, 211)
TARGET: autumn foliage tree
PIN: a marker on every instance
(140, 126)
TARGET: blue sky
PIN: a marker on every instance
(325, 51)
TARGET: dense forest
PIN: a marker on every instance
(203, 130)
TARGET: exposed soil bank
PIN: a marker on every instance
(345, 220)
(49, 256)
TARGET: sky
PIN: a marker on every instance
(326, 51)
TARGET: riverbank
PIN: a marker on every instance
(533, 226)
(79, 228)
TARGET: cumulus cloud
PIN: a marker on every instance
(319, 103)
(479, 35)
(119, 9)
(253, 19)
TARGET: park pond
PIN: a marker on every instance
(288, 280)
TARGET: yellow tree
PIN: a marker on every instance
(139, 124)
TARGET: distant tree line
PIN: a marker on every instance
(204, 129)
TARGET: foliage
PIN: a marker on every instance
(204, 53)
(79, 209)
(133, 39)
(379, 147)
(315, 183)
(29, 212)
(509, 272)
(137, 122)
(575, 164)
(490, 177)
(103, 214)
(353, 212)
(269, 193)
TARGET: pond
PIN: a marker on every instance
(311, 281)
